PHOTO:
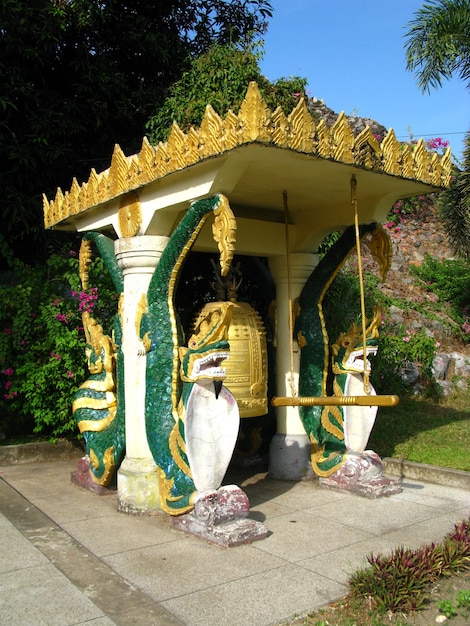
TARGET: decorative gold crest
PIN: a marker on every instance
(130, 214)
(254, 123)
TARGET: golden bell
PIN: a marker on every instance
(247, 366)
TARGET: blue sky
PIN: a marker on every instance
(353, 57)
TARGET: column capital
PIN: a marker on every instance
(301, 265)
(139, 255)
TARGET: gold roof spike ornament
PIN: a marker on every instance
(251, 157)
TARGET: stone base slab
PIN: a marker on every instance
(375, 488)
(362, 474)
(227, 534)
(221, 516)
(82, 478)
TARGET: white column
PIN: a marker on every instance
(137, 481)
(289, 455)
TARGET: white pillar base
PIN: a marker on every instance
(289, 457)
(290, 449)
(137, 479)
(138, 488)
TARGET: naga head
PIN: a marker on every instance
(207, 347)
(348, 350)
(100, 349)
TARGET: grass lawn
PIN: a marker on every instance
(436, 432)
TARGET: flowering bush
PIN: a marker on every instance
(409, 208)
(437, 144)
(399, 347)
(42, 344)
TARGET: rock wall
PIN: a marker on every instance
(412, 239)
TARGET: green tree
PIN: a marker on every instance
(437, 48)
(220, 77)
(78, 76)
(438, 42)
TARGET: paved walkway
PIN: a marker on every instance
(68, 557)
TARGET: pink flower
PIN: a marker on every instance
(88, 300)
(9, 371)
(56, 302)
(8, 384)
(406, 339)
(70, 374)
(61, 318)
(7, 331)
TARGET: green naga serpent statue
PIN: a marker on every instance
(337, 370)
(182, 383)
(98, 405)
(172, 370)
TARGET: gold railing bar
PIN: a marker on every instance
(336, 401)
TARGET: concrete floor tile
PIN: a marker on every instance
(375, 516)
(121, 533)
(428, 531)
(298, 535)
(16, 552)
(99, 621)
(73, 504)
(188, 565)
(345, 561)
(261, 599)
(267, 509)
(43, 597)
(436, 496)
(301, 495)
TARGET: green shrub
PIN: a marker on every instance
(450, 281)
(42, 345)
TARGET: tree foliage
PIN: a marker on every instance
(220, 78)
(454, 207)
(438, 42)
(78, 76)
(437, 48)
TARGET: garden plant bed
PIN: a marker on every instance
(348, 612)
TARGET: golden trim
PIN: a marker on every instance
(254, 123)
(177, 443)
(166, 485)
(109, 466)
(94, 426)
(84, 260)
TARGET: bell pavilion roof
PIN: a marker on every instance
(257, 158)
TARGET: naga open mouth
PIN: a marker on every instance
(209, 366)
(355, 361)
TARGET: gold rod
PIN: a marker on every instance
(336, 401)
(289, 294)
(361, 281)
